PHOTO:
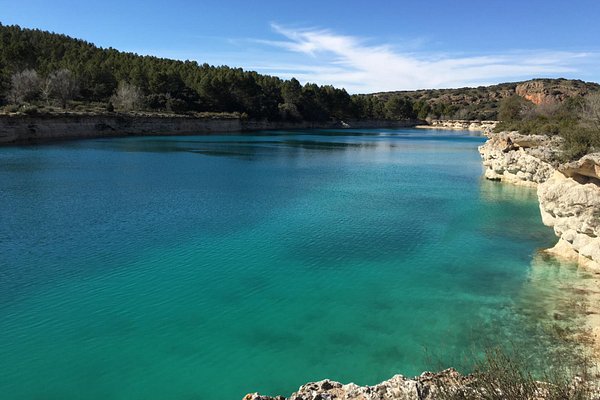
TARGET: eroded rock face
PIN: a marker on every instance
(582, 170)
(427, 386)
(535, 92)
(573, 210)
(544, 91)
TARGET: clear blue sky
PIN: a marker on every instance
(364, 46)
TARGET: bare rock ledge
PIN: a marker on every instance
(427, 386)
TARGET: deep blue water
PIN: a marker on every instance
(211, 266)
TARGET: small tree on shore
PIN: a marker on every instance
(62, 86)
(399, 108)
(24, 86)
(128, 97)
(591, 111)
(46, 89)
(513, 108)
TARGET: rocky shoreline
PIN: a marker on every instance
(31, 129)
(460, 124)
(568, 193)
(447, 384)
(25, 129)
(427, 386)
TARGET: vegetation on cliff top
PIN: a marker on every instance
(576, 120)
(503, 375)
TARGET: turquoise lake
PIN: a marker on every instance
(208, 267)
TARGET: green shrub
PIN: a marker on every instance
(580, 137)
(503, 376)
(11, 108)
(579, 141)
(512, 108)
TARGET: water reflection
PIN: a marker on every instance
(266, 143)
(245, 149)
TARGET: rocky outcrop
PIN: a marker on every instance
(535, 92)
(519, 159)
(572, 208)
(552, 91)
(584, 170)
(448, 384)
(427, 386)
(569, 194)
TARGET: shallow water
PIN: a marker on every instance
(212, 266)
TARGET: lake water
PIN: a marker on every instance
(212, 266)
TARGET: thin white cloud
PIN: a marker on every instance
(360, 67)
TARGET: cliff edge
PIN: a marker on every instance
(569, 194)
(570, 203)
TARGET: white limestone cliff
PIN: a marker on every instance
(569, 194)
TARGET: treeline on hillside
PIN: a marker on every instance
(576, 120)
(483, 102)
(468, 103)
(41, 70)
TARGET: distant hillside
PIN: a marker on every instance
(48, 72)
(483, 102)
